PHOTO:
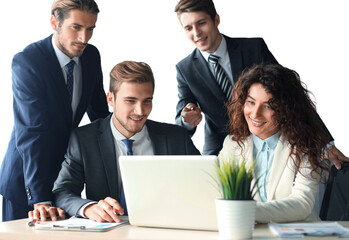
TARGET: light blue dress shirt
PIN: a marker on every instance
(263, 154)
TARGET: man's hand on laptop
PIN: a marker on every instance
(45, 212)
(104, 211)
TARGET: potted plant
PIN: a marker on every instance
(236, 209)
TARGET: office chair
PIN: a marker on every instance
(335, 204)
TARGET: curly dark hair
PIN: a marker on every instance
(295, 113)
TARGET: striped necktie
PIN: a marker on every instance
(70, 79)
(221, 77)
(128, 143)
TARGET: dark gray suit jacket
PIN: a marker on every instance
(91, 160)
(196, 84)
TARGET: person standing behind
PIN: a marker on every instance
(55, 81)
(196, 74)
(206, 77)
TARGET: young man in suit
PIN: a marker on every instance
(93, 151)
(55, 81)
(197, 85)
(199, 88)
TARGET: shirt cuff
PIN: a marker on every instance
(81, 210)
(187, 125)
(47, 202)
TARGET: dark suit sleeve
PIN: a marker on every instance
(185, 96)
(32, 129)
(98, 107)
(70, 181)
(190, 147)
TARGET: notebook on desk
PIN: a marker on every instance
(170, 191)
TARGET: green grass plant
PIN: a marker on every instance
(233, 179)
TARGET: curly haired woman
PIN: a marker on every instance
(274, 127)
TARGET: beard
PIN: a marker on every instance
(130, 130)
(64, 48)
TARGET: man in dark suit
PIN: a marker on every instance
(93, 151)
(55, 81)
(199, 82)
(197, 85)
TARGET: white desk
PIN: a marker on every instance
(19, 230)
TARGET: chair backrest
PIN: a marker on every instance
(335, 204)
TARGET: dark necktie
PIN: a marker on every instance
(128, 143)
(70, 79)
(221, 77)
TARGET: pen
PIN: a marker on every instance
(115, 211)
(192, 108)
(32, 222)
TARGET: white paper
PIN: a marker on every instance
(77, 224)
(296, 230)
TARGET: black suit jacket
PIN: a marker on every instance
(91, 160)
(196, 84)
(43, 119)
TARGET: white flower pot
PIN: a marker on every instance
(235, 218)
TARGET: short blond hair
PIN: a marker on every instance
(130, 71)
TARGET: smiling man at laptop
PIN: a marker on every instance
(93, 151)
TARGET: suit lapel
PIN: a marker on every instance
(235, 57)
(108, 155)
(281, 157)
(57, 79)
(158, 139)
(202, 69)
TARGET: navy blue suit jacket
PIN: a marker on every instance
(196, 84)
(91, 160)
(43, 119)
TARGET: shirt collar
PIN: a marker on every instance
(118, 136)
(62, 58)
(271, 141)
(220, 52)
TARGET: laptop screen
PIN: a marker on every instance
(170, 191)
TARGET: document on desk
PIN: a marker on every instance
(297, 230)
(78, 224)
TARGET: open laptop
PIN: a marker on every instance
(170, 191)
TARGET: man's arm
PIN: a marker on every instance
(190, 147)
(104, 211)
(34, 140)
(70, 181)
(187, 105)
(336, 156)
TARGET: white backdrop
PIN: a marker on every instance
(310, 37)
